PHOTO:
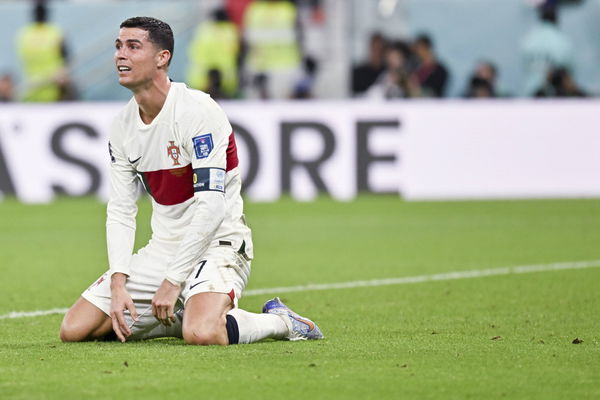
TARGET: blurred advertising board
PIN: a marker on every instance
(420, 150)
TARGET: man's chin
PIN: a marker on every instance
(126, 83)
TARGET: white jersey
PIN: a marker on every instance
(186, 159)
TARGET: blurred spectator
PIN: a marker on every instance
(364, 75)
(479, 88)
(215, 85)
(431, 74)
(552, 2)
(315, 7)
(42, 49)
(560, 83)
(215, 47)
(7, 91)
(273, 50)
(303, 89)
(260, 84)
(483, 81)
(395, 81)
(236, 9)
(545, 47)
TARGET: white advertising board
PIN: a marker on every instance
(416, 149)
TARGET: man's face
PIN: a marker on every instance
(421, 50)
(137, 59)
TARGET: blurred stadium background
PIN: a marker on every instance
(335, 33)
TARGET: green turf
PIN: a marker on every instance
(484, 338)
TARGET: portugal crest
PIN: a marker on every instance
(173, 152)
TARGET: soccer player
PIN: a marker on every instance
(180, 145)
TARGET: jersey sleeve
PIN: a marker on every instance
(206, 139)
(122, 207)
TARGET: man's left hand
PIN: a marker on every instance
(163, 302)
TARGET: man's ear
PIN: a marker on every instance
(163, 58)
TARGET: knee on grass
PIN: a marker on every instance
(80, 330)
(72, 332)
(205, 336)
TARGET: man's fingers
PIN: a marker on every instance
(116, 328)
(162, 313)
(122, 323)
(157, 312)
(166, 319)
(133, 311)
(170, 316)
(164, 316)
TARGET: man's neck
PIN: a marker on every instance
(150, 99)
(428, 59)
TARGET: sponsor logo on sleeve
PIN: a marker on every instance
(203, 145)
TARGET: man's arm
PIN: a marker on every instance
(120, 236)
(120, 212)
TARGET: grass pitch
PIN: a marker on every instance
(492, 337)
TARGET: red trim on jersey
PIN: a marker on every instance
(232, 158)
(170, 186)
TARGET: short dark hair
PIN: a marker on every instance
(548, 13)
(40, 13)
(159, 32)
(425, 40)
(402, 47)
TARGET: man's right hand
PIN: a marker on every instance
(121, 301)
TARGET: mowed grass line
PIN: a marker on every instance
(428, 340)
(62, 245)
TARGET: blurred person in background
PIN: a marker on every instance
(479, 88)
(215, 47)
(560, 83)
(236, 9)
(260, 86)
(43, 52)
(395, 81)
(482, 82)
(431, 74)
(314, 9)
(544, 48)
(215, 85)
(303, 88)
(7, 88)
(365, 74)
(271, 35)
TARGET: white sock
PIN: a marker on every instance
(254, 327)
